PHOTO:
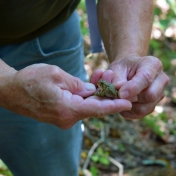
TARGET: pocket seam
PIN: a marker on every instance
(40, 52)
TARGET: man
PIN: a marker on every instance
(41, 72)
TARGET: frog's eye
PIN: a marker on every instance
(104, 86)
(99, 84)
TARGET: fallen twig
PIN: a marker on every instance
(91, 151)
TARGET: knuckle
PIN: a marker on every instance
(53, 70)
(145, 110)
(142, 111)
(160, 65)
(148, 78)
(134, 86)
(157, 64)
(134, 89)
(77, 84)
(77, 81)
(151, 97)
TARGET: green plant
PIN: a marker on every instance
(101, 157)
(156, 123)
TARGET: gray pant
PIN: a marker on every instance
(29, 147)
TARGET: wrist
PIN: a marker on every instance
(126, 53)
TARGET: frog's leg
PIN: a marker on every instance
(99, 93)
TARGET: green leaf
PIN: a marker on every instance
(157, 11)
(94, 171)
(155, 44)
(164, 23)
(100, 151)
(153, 123)
(95, 158)
(121, 147)
(166, 63)
(104, 161)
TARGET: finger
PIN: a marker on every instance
(74, 85)
(143, 79)
(99, 74)
(73, 107)
(108, 75)
(152, 93)
(140, 110)
(133, 99)
(96, 76)
(119, 75)
(94, 106)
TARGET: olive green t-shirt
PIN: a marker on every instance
(22, 20)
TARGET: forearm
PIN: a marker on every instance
(6, 73)
(125, 26)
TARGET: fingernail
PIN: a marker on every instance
(89, 87)
(124, 94)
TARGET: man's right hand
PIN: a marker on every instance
(49, 94)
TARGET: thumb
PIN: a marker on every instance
(76, 85)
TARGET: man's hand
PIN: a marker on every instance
(125, 28)
(138, 79)
(51, 95)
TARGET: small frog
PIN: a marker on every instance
(106, 89)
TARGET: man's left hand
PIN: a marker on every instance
(138, 79)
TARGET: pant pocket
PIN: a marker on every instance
(63, 39)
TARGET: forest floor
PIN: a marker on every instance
(144, 147)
